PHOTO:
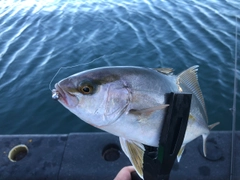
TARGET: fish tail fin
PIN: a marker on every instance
(205, 135)
(213, 125)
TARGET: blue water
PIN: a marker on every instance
(39, 37)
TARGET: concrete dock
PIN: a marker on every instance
(94, 156)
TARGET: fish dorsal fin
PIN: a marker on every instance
(166, 71)
(134, 152)
(188, 82)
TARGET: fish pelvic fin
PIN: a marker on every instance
(187, 81)
(135, 152)
(180, 153)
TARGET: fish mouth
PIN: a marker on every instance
(60, 95)
(66, 98)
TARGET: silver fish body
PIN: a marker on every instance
(129, 102)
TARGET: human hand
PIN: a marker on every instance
(125, 173)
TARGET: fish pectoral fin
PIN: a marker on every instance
(166, 71)
(134, 152)
(213, 125)
(180, 153)
(147, 111)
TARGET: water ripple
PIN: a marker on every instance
(37, 38)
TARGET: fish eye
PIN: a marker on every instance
(86, 89)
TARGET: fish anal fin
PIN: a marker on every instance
(180, 153)
(134, 152)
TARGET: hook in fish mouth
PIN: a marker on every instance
(55, 94)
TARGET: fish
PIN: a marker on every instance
(129, 102)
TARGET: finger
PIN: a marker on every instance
(125, 173)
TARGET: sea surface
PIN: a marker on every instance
(37, 37)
